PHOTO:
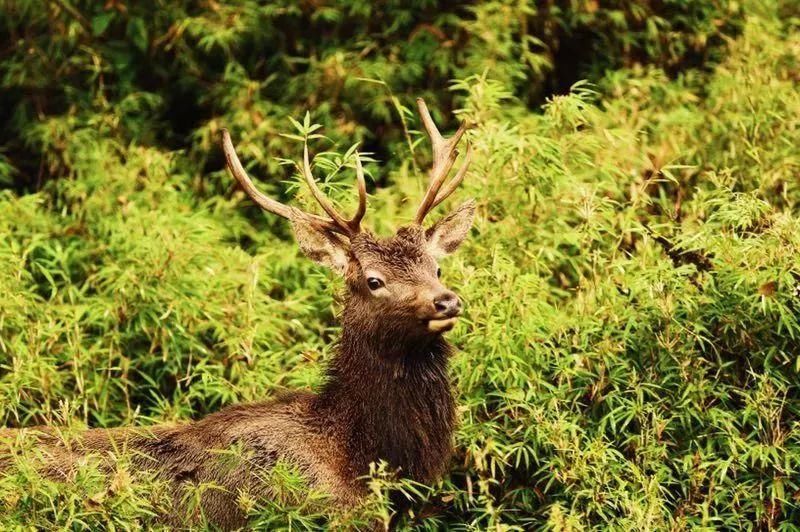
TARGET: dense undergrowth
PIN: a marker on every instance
(630, 352)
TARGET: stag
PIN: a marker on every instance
(387, 395)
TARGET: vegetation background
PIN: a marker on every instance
(630, 353)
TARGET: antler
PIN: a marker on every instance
(444, 156)
(353, 225)
(336, 223)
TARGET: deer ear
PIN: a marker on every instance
(446, 235)
(321, 246)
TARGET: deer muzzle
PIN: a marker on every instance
(448, 308)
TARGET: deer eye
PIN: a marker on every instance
(374, 283)
(438, 272)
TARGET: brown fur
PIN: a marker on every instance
(387, 396)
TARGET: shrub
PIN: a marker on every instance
(629, 353)
(171, 73)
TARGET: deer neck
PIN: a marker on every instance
(388, 397)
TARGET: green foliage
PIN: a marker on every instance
(170, 73)
(630, 351)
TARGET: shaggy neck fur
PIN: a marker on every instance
(388, 397)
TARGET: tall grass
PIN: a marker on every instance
(630, 350)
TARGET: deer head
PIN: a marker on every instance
(393, 282)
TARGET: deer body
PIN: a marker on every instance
(387, 394)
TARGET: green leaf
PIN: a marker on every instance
(101, 21)
(137, 32)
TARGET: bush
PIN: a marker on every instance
(629, 354)
(171, 74)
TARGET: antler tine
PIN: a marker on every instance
(348, 227)
(444, 156)
(453, 184)
(268, 204)
(239, 173)
(318, 194)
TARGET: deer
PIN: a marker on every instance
(386, 395)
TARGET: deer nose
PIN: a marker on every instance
(447, 304)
